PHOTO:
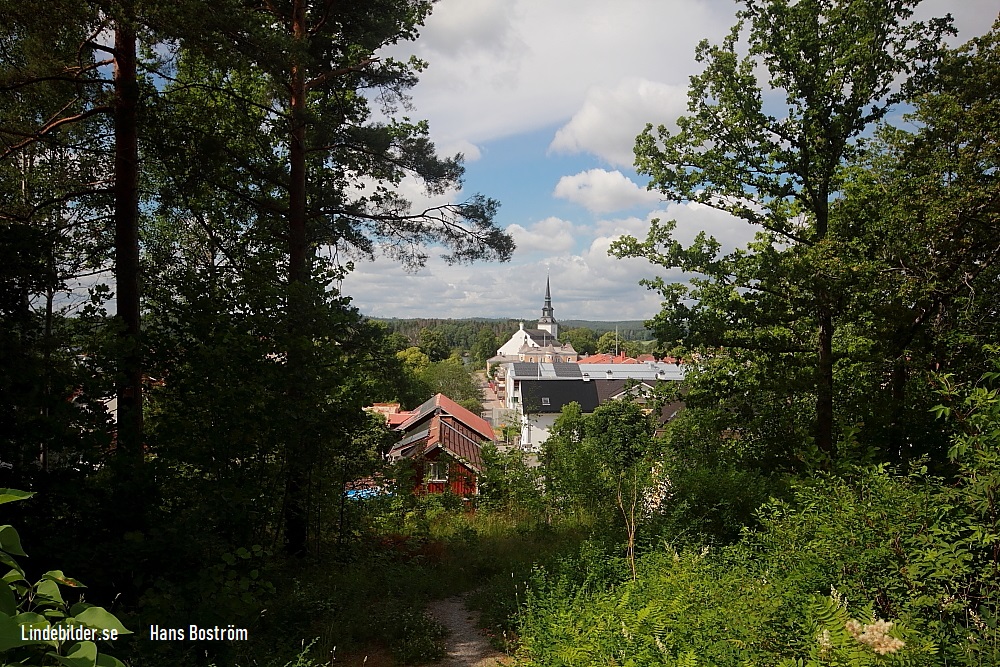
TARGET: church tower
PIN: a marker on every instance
(547, 322)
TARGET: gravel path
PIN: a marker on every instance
(467, 646)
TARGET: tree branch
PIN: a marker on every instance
(326, 76)
(51, 125)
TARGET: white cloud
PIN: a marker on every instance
(587, 285)
(602, 191)
(691, 218)
(469, 150)
(549, 235)
(611, 118)
(459, 29)
(501, 67)
(416, 193)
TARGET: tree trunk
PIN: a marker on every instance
(897, 434)
(296, 450)
(824, 382)
(824, 363)
(128, 388)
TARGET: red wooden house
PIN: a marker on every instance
(443, 439)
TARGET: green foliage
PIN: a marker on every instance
(27, 607)
(486, 345)
(843, 640)
(611, 342)
(582, 339)
(453, 379)
(905, 548)
(432, 343)
(781, 299)
(508, 484)
(586, 456)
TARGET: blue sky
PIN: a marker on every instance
(545, 98)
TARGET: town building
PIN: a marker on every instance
(444, 441)
(536, 345)
(535, 393)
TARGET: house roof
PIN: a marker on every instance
(545, 396)
(462, 447)
(638, 371)
(432, 425)
(609, 389)
(607, 358)
(440, 402)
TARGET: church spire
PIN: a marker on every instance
(547, 322)
(547, 308)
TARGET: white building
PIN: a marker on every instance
(541, 344)
(537, 392)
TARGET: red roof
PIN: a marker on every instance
(605, 358)
(399, 418)
(449, 426)
(473, 421)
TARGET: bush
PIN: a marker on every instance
(41, 606)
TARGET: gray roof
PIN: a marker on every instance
(649, 371)
(567, 370)
(545, 396)
(542, 337)
(526, 370)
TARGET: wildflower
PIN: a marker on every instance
(876, 635)
(658, 492)
(837, 597)
(825, 645)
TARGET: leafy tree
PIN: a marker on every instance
(509, 484)
(412, 390)
(776, 161)
(586, 456)
(433, 344)
(611, 342)
(926, 262)
(303, 164)
(486, 345)
(451, 378)
(582, 339)
(414, 360)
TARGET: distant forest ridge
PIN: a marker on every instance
(461, 333)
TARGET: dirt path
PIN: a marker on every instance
(467, 646)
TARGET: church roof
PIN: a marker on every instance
(542, 337)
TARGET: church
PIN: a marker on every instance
(537, 345)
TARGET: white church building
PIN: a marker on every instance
(537, 345)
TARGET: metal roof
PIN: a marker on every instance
(541, 396)
(567, 370)
(648, 370)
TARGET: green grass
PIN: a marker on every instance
(372, 598)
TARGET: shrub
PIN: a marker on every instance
(41, 606)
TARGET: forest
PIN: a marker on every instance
(182, 188)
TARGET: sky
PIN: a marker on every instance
(545, 98)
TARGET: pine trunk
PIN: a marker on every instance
(824, 383)
(126, 217)
(296, 449)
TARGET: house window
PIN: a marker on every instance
(437, 472)
(545, 400)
